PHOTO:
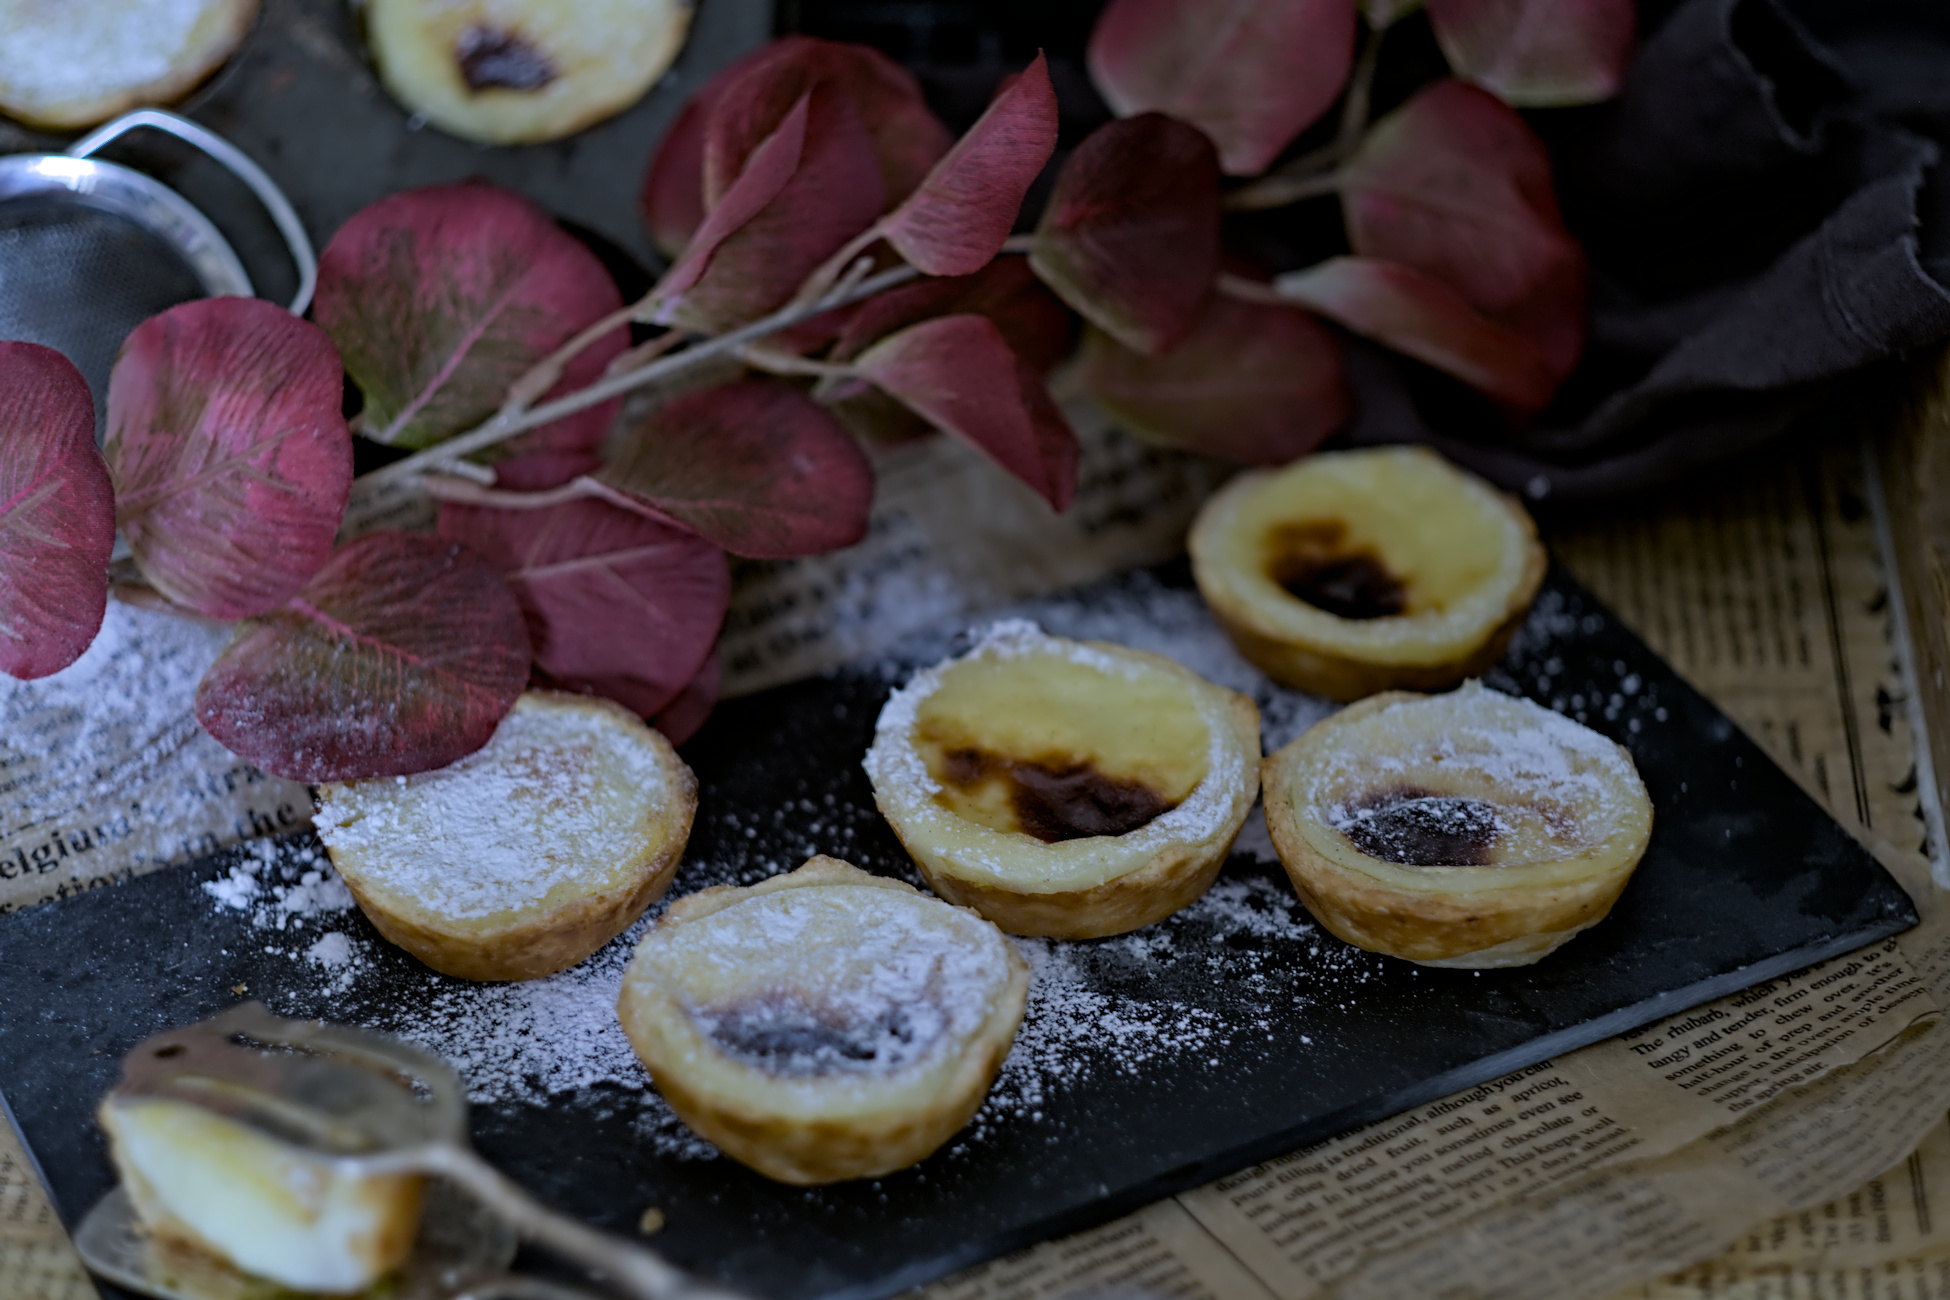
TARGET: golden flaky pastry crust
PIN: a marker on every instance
(523, 71)
(1418, 574)
(1471, 829)
(1063, 788)
(526, 856)
(825, 1024)
(78, 62)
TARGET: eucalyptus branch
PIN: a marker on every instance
(1312, 173)
(644, 353)
(827, 274)
(547, 373)
(501, 428)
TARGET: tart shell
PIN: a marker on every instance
(866, 1130)
(1469, 917)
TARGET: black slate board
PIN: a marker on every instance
(1746, 878)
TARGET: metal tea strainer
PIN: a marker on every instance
(369, 1104)
(90, 249)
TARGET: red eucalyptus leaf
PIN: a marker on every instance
(767, 168)
(1031, 319)
(673, 187)
(1457, 186)
(1130, 238)
(745, 103)
(959, 374)
(617, 604)
(1537, 53)
(741, 266)
(440, 298)
(57, 513)
(1252, 74)
(681, 718)
(1252, 383)
(756, 467)
(1429, 321)
(954, 224)
(231, 461)
(401, 656)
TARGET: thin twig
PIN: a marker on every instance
(823, 279)
(547, 373)
(1023, 243)
(503, 427)
(1238, 286)
(774, 362)
(644, 353)
(1359, 100)
(1276, 191)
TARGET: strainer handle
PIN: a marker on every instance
(296, 241)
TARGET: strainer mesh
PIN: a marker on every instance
(79, 280)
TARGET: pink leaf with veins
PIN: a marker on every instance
(1130, 237)
(1425, 319)
(681, 718)
(833, 193)
(754, 466)
(745, 103)
(231, 461)
(959, 374)
(1538, 53)
(1252, 74)
(401, 656)
(672, 197)
(767, 169)
(1253, 383)
(1457, 186)
(440, 298)
(955, 222)
(617, 604)
(57, 513)
(1032, 320)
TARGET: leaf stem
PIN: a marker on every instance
(1023, 243)
(774, 362)
(511, 424)
(1312, 174)
(1239, 287)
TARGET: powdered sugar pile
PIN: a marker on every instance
(552, 793)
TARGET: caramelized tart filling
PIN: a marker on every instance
(787, 1034)
(1315, 562)
(1053, 746)
(1413, 827)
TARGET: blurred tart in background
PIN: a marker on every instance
(523, 71)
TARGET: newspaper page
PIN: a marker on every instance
(1607, 1168)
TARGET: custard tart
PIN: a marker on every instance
(522, 71)
(1064, 788)
(1353, 572)
(525, 856)
(1472, 829)
(825, 1024)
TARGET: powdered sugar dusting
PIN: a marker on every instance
(833, 983)
(554, 795)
